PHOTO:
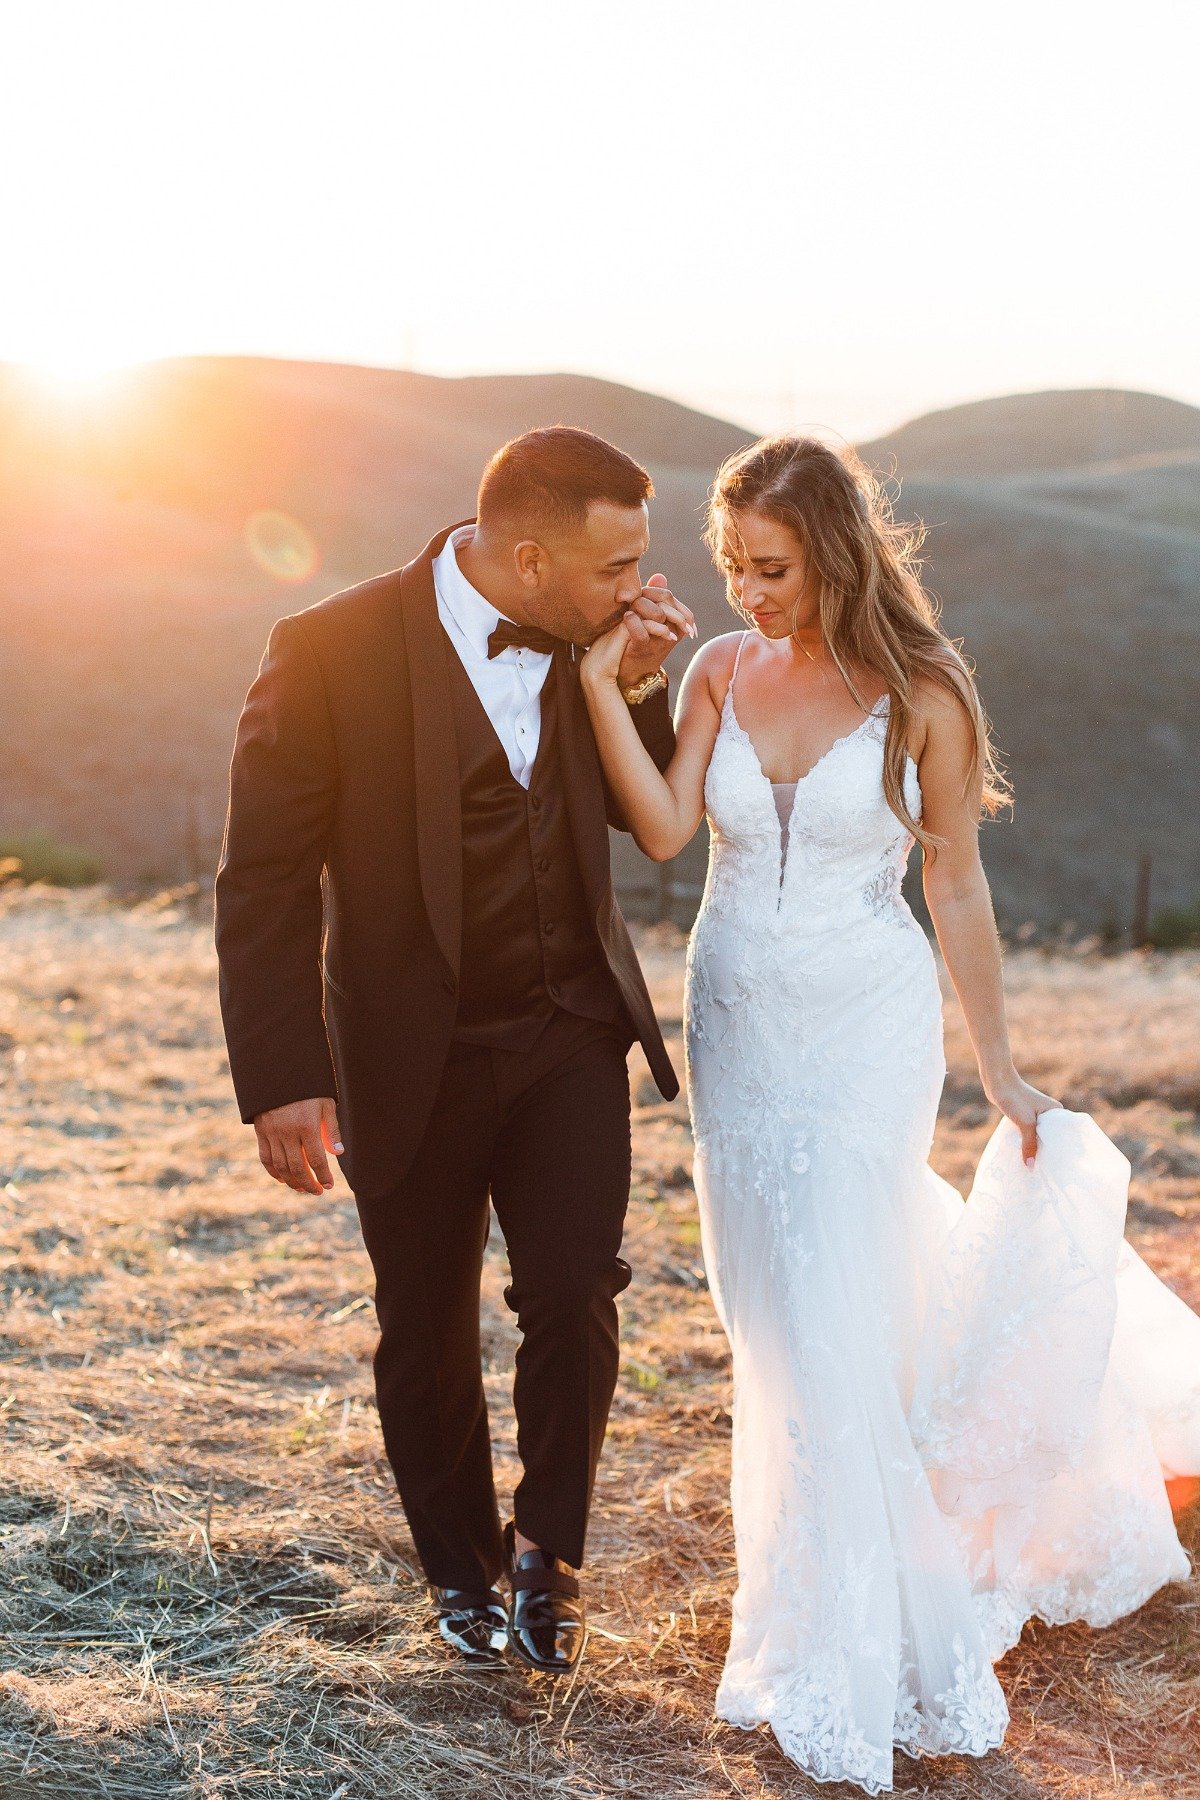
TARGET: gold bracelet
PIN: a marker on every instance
(641, 690)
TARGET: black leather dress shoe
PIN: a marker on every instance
(473, 1621)
(547, 1624)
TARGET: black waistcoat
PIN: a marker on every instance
(528, 944)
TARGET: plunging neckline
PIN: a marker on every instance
(845, 738)
(784, 826)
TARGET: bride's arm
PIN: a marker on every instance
(663, 810)
(960, 905)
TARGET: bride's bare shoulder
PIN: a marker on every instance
(710, 669)
(944, 711)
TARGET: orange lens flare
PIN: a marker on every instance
(282, 546)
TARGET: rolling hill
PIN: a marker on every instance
(135, 597)
(1016, 434)
(152, 537)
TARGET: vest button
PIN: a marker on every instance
(548, 930)
(542, 864)
(535, 804)
(449, 983)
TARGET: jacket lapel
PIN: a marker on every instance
(436, 767)
(435, 753)
(580, 764)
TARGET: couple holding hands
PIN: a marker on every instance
(424, 972)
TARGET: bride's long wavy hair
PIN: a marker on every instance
(874, 612)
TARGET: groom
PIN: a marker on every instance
(417, 932)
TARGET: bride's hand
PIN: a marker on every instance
(604, 654)
(1023, 1105)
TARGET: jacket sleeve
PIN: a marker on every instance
(282, 785)
(657, 732)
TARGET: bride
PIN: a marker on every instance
(947, 1419)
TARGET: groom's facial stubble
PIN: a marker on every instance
(578, 584)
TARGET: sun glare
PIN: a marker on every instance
(75, 375)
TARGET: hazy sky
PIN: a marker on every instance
(791, 213)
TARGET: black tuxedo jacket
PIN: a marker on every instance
(339, 893)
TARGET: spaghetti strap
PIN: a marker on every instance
(737, 659)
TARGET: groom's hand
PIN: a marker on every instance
(293, 1142)
(654, 625)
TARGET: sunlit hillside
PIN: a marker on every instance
(154, 528)
(155, 525)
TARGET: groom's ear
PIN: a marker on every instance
(529, 558)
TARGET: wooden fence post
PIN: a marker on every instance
(192, 863)
(1139, 930)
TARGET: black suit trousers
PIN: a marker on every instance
(545, 1133)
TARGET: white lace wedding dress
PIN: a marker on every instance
(947, 1418)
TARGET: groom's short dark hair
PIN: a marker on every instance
(545, 480)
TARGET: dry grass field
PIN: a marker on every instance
(206, 1586)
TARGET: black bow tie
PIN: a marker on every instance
(522, 637)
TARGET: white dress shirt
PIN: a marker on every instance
(509, 685)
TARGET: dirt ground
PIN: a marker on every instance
(206, 1585)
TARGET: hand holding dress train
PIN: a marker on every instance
(908, 1484)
